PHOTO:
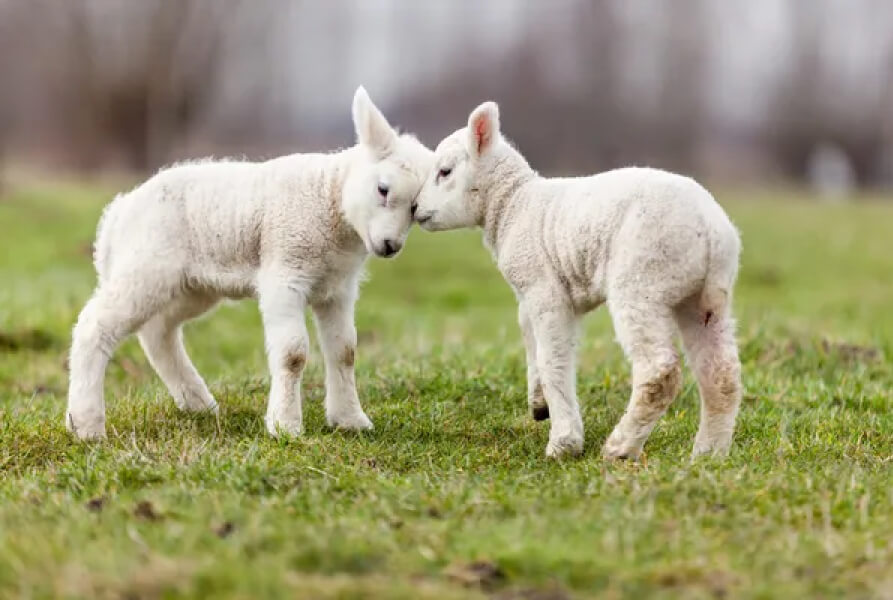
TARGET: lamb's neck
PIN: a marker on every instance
(334, 180)
(500, 195)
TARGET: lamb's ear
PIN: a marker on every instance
(373, 130)
(483, 128)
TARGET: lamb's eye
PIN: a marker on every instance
(383, 190)
(445, 172)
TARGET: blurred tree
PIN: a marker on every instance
(589, 117)
(140, 91)
(677, 121)
(5, 82)
(811, 108)
(584, 85)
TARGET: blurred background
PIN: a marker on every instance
(784, 108)
(762, 91)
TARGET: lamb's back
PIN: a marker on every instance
(631, 224)
(185, 214)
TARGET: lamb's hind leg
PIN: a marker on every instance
(646, 334)
(162, 340)
(713, 355)
(114, 312)
(536, 401)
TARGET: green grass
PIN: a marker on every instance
(455, 470)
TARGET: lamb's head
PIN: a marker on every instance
(454, 193)
(385, 178)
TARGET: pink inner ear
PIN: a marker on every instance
(481, 131)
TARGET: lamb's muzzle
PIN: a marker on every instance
(423, 219)
(388, 248)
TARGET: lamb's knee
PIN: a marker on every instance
(726, 384)
(295, 361)
(92, 334)
(658, 387)
(108, 318)
(347, 356)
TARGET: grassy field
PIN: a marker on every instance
(451, 495)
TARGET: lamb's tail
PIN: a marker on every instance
(722, 270)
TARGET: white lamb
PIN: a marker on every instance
(293, 231)
(655, 246)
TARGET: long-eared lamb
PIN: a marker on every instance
(293, 232)
(654, 246)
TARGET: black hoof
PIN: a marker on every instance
(540, 413)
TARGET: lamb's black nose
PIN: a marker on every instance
(391, 248)
(413, 207)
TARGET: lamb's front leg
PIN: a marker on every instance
(338, 339)
(282, 308)
(535, 400)
(554, 327)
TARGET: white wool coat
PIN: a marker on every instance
(294, 232)
(220, 226)
(653, 245)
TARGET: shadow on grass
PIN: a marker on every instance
(420, 423)
(155, 436)
(29, 339)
